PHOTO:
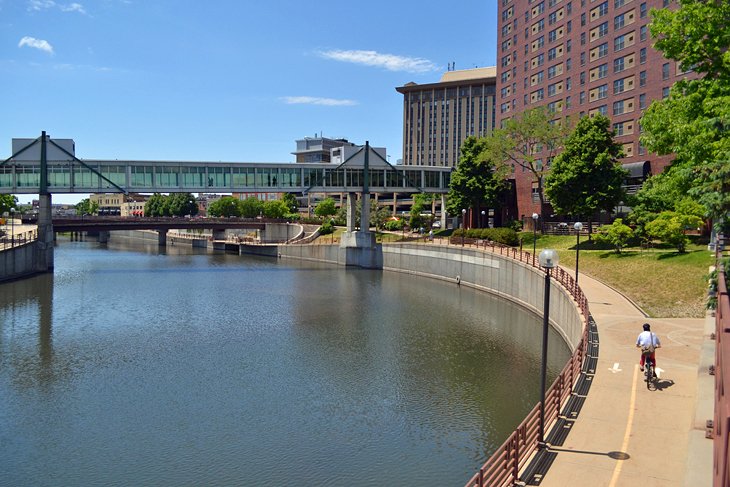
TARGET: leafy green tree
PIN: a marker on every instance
(325, 208)
(586, 177)
(617, 235)
(378, 215)
(86, 207)
(529, 142)
(694, 121)
(290, 201)
(225, 207)
(477, 180)
(251, 207)
(157, 205)
(8, 201)
(276, 209)
(671, 227)
(421, 205)
(182, 204)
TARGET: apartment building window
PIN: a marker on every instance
(618, 65)
(567, 102)
(603, 109)
(665, 4)
(582, 19)
(568, 45)
(551, 107)
(642, 101)
(569, 8)
(665, 92)
(642, 150)
(582, 78)
(619, 129)
(602, 71)
(642, 78)
(527, 16)
(582, 38)
(582, 58)
(568, 84)
(506, 60)
(504, 107)
(642, 10)
(643, 33)
(504, 76)
(618, 107)
(568, 64)
(552, 53)
(553, 89)
(665, 71)
(539, 42)
(539, 8)
(619, 21)
(618, 3)
(569, 26)
(552, 18)
(539, 26)
(553, 35)
(602, 30)
(602, 92)
(618, 86)
(552, 71)
(582, 97)
(642, 55)
(538, 95)
(619, 43)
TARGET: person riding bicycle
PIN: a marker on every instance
(648, 342)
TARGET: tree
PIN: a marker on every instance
(276, 209)
(225, 207)
(693, 121)
(325, 208)
(86, 207)
(290, 201)
(617, 234)
(477, 180)
(420, 202)
(251, 207)
(7, 202)
(670, 227)
(586, 177)
(181, 204)
(529, 141)
(156, 205)
(378, 215)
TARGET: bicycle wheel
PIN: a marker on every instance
(649, 370)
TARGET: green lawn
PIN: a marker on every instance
(660, 280)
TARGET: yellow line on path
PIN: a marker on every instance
(627, 434)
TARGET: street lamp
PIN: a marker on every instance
(548, 260)
(535, 216)
(463, 225)
(12, 227)
(578, 227)
(403, 226)
(482, 222)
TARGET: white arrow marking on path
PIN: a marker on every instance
(615, 368)
(658, 372)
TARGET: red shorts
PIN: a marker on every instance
(643, 358)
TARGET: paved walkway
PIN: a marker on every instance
(654, 430)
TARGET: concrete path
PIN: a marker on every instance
(626, 435)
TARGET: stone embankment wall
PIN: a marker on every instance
(22, 261)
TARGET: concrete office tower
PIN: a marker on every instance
(577, 58)
(437, 117)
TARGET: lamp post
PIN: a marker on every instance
(403, 226)
(482, 222)
(578, 227)
(548, 260)
(12, 227)
(463, 225)
(535, 216)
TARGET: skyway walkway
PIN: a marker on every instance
(626, 435)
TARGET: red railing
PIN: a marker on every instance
(505, 464)
(721, 422)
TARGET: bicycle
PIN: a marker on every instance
(649, 376)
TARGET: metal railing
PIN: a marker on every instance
(8, 241)
(721, 422)
(504, 466)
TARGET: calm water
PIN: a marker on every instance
(129, 366)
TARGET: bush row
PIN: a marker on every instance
(506, 236)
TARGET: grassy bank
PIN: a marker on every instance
(662, 281)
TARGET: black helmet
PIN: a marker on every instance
(647, 327)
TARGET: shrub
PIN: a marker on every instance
(505, 236)
(617, 235)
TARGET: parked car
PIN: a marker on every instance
(436, 224)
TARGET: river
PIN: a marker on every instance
(134, 365)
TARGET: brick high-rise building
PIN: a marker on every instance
(580, 57)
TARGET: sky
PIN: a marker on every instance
(224, 80)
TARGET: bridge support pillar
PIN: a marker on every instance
(351, 213)
(103, 237)
(219, 234)
(162, 238)
(443, 211)
(44, 245)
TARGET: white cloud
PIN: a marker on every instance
(38, 5)
(73, 7)
(39, 44)
(311, 100)
(391, 62)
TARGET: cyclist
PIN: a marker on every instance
(648, 342)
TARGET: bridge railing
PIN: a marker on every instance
(504, 466)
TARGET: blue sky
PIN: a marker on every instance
(225, 80)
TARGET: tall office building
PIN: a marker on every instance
(437, 117)
(580, 57)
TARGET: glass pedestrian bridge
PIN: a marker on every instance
(23, 173)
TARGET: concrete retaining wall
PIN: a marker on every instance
(22, 261)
